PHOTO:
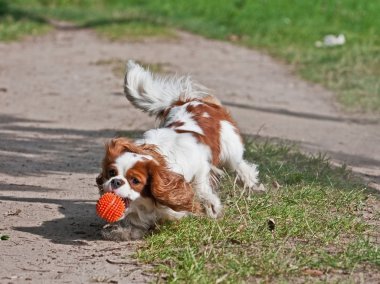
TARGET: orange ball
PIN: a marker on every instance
(110, 207)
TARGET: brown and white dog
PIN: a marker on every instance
(170, 172)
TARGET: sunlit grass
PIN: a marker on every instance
(318, 226)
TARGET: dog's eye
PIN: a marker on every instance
(112, 173)
(135, 181)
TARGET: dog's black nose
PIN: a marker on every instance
(116, 183)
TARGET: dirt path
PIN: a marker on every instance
(59, 106)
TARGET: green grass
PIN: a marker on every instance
(317, 218)
(15, 24)
(134, 31)
(285, 29)
(106, 18)
(11, 29)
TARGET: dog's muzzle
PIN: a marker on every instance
(116, 183)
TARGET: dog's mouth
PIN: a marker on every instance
(126, 201)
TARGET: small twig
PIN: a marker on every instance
(121, 262)
(110, 249)
(35, 270)
(260, 128)
(130, 271)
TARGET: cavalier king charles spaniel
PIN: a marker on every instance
(173, 170)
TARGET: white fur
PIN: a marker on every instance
(231, 146)
(182, 151)
(144, 213)
(231, 155)
(248, 175)
(205, 115)
(153, 93)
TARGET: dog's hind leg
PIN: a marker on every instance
(204, 191)
(248, 175)
(232, 149)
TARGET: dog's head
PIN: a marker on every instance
(134, 171)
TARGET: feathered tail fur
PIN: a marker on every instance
(153, 93)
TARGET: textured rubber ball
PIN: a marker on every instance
(110, 207)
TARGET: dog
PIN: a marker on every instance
(173, 171)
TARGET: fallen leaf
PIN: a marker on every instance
(271, 224)
(234, 241)
(4, 237)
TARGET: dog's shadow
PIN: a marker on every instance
(78, 224)
(36, 155)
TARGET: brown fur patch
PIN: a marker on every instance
(140, 172)
(171, 189)
(210, 125)
(164, 186)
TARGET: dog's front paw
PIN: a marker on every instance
(214, 210)
(121, 233)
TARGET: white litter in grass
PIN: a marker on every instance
(331, 40)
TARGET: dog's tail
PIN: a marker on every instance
(153, 93)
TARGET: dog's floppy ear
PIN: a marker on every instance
(99, 180)
(171, 189)
(117, 146)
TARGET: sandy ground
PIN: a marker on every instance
(59, 106)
